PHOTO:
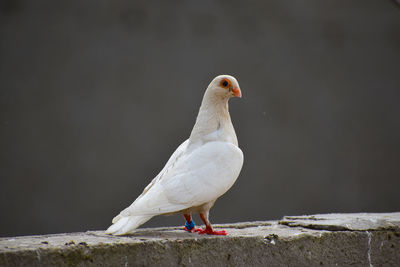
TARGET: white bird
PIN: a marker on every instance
(201, 169)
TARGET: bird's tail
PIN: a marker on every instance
(125, 225)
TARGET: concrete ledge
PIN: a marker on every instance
(330, 239)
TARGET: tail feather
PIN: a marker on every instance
(126, 225)
(116, 218)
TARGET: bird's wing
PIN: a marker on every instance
(178, 152)
(192, 179)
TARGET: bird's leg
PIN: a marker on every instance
(208, 230)
(190, 225)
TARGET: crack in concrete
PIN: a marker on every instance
(315, 226)
(126, 261)
(369, 249)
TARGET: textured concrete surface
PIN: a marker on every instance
(330, 239)
(343, 222)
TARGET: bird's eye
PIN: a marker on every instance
(225, 83)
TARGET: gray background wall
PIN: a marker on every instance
(95, 96)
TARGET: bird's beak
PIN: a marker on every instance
(236, 92)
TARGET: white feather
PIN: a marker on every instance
(197, 177)
(126, 224)
(201, 169)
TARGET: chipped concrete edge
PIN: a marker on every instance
(366, 239)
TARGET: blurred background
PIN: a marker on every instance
(96, 95)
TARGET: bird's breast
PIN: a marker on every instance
(223, 133)
(207, 173)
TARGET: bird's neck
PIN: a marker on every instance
(213, 122)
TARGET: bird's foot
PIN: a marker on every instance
(210, 231)
(190, 227)
(193, 230)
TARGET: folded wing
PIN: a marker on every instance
(192, 179)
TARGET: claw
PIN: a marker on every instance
(193, 230)
(210, 231)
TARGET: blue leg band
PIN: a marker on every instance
(190, 225)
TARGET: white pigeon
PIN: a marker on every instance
(201, 169)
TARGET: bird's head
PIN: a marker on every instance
(225, 86)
